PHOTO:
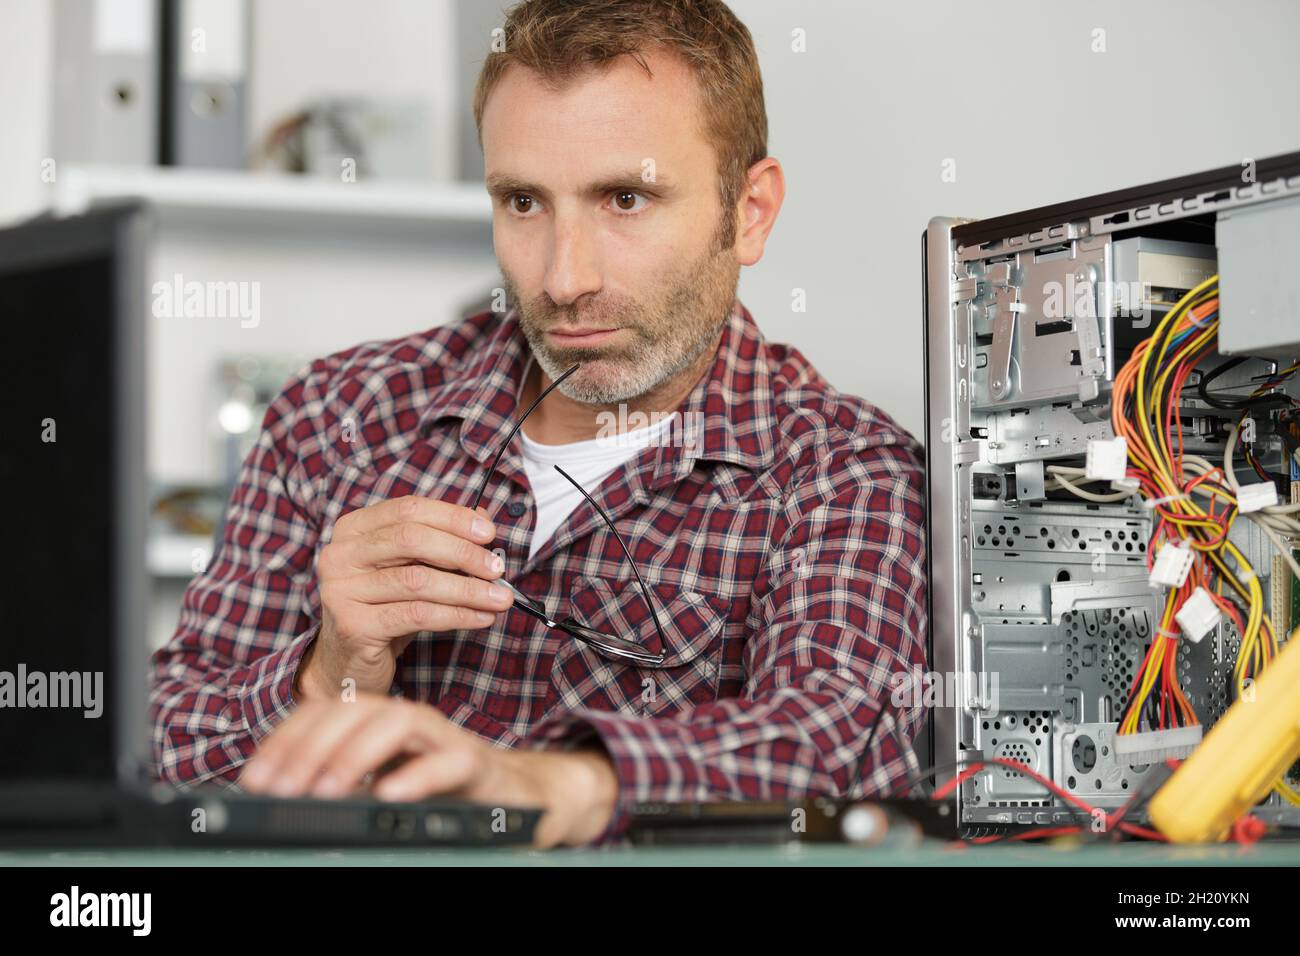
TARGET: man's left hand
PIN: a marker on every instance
(330, 748)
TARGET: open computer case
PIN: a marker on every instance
(1047, 587)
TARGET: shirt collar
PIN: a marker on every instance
(733, 403)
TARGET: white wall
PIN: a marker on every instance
(1009, 89)
(862, 121)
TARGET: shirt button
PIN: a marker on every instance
(515, 509)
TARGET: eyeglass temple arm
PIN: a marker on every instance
(487, 475)
(645, 591)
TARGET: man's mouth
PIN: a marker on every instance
(578, 337)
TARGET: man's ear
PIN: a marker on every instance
(757, 208)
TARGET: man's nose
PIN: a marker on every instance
(574, 269)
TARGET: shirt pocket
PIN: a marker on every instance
(583, 676)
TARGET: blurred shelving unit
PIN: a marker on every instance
(177, 555)
(320, 264)
(337, 263)
(282, 202)
(416, 239)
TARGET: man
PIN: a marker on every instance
(349, 632)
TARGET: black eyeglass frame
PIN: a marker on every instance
(609, 643)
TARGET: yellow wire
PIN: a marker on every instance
(1183, 511)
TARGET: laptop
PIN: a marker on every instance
(76, 767)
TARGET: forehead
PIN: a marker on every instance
(614, 114)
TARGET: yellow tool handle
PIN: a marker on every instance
(1250, 747)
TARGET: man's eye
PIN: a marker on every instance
(521, 203)
(626, 201)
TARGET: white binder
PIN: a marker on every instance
(106, 74)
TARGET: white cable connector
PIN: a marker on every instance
(1172, 563)
(1198, 616)
(1256, 497)
(1153, 746)
(1107, 459)
(1128, 485)
(1151, 504)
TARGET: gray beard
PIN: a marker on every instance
(647, 367)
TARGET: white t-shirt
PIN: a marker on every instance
(589, 462)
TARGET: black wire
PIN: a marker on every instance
(487, 475)
(1236, 404)
(1153, 708)
(1203, 386)
(1145, 791)
(921, 775)
(866, 748)
(645, 591)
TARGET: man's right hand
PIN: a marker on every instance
(387, 574)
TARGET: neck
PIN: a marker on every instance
(560, 420)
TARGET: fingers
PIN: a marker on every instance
(377, 624)
(377, 742)
(411, 751)
(326, 750)
(439, 515)
(416, 582)
(403, 543)
(314, 728)
(441, 771)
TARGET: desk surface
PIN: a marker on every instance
(930, 853)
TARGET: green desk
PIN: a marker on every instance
(927, 854)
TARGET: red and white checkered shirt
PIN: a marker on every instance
(784, 547)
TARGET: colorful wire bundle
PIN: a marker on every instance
(1195, 503)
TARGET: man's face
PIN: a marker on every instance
(607, 217)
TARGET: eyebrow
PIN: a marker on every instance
(503, 184)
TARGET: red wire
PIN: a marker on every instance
(1137, 678)
(1132, 829)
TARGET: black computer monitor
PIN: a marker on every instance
(73, 585)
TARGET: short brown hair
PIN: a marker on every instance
(562, 38)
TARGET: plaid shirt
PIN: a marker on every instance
(784, 547)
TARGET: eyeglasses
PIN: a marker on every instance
(601, 640)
